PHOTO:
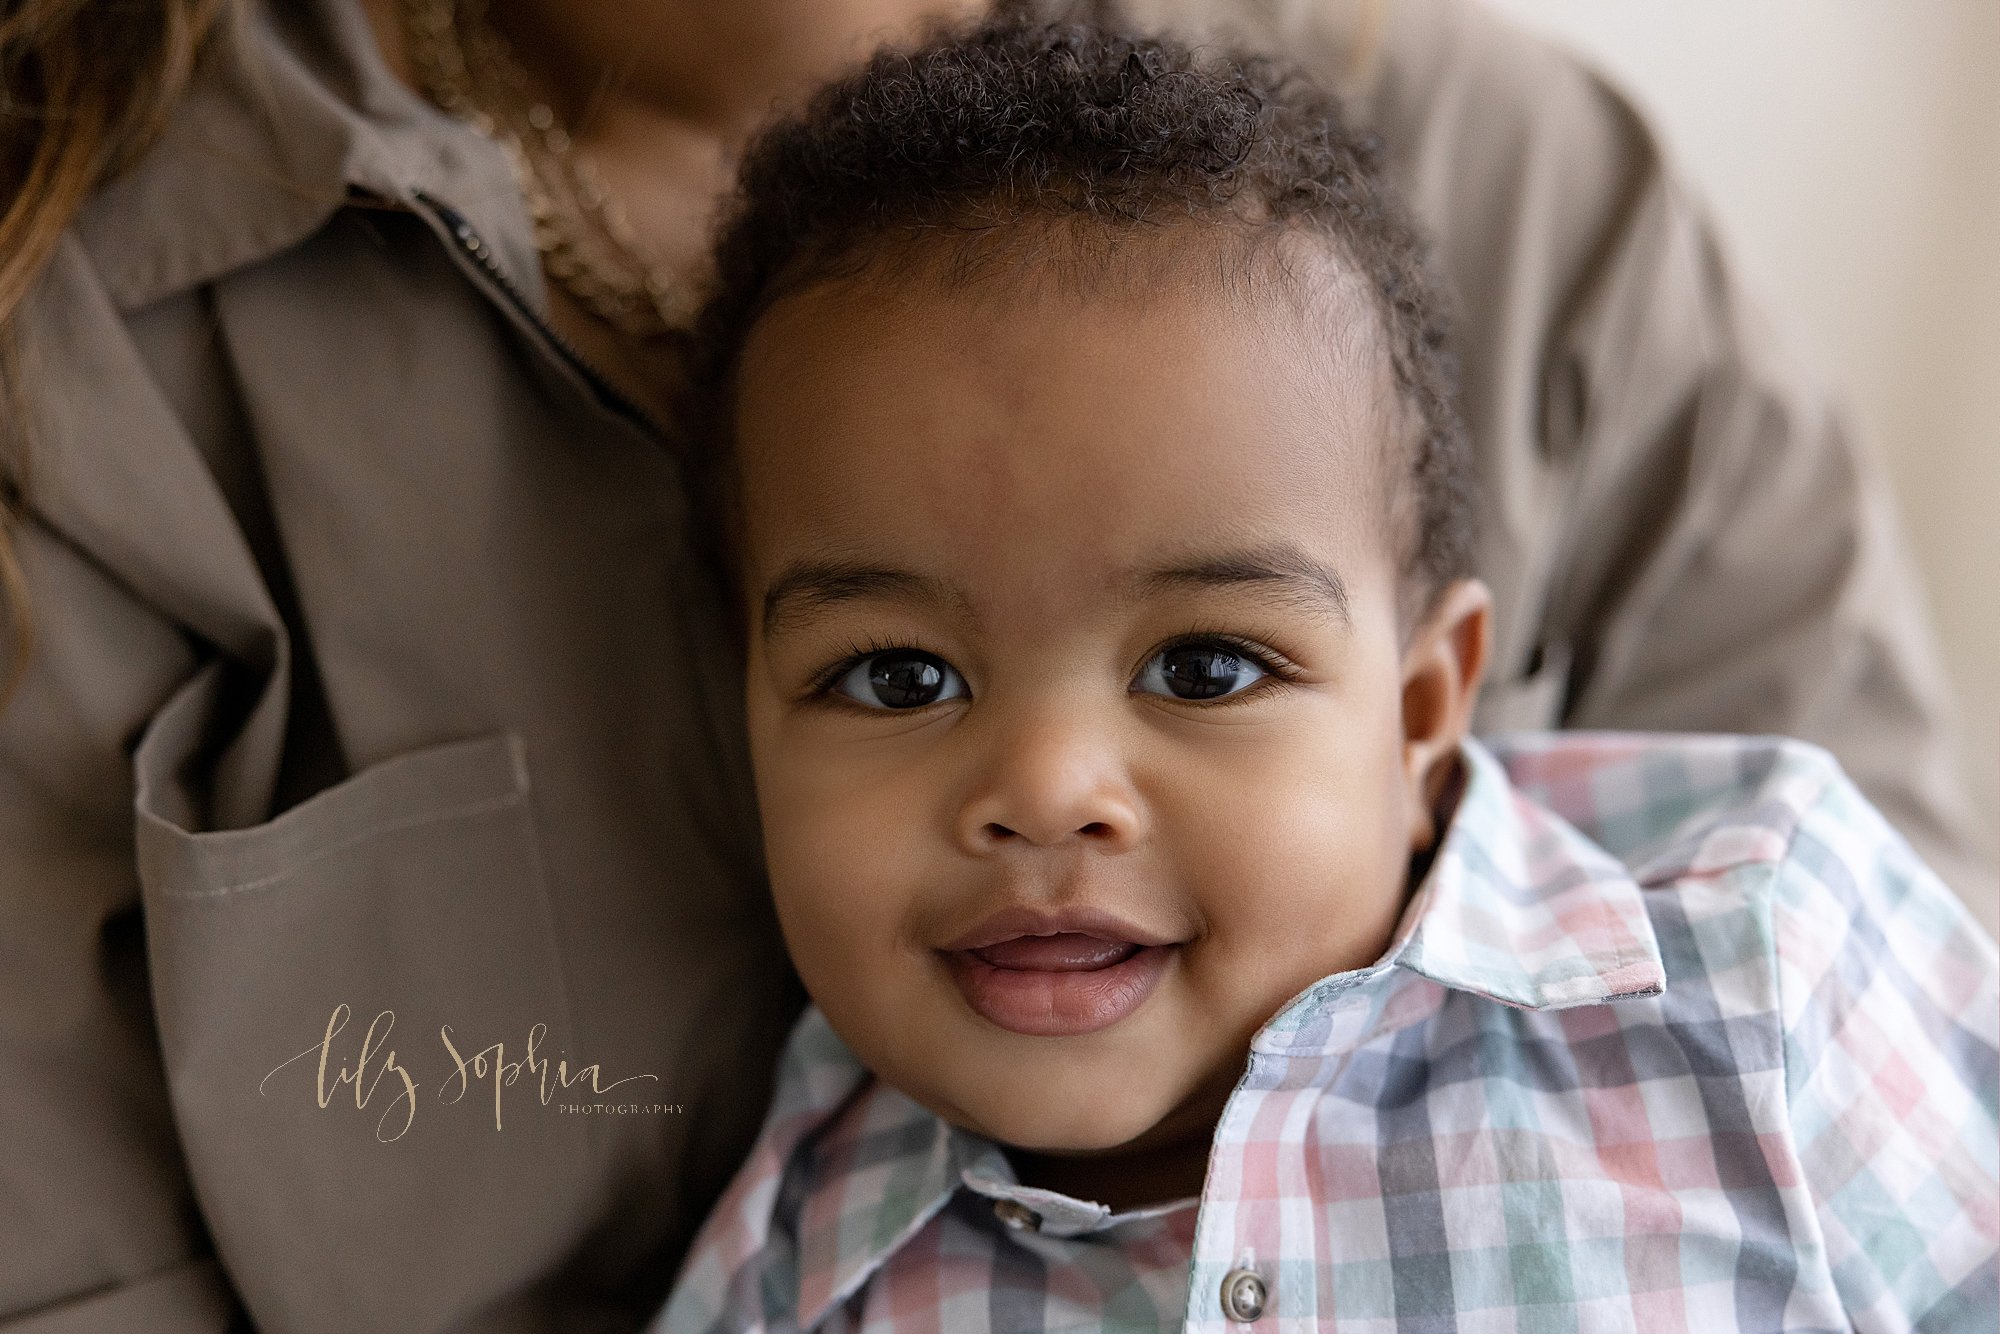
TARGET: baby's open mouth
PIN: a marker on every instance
(1063, 952)
(1042, 980)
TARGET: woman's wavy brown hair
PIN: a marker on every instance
(85, 86)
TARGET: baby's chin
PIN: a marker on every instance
(1071, 1108)
(1122, 1142)
(1164, 1072)
(1109, 1121)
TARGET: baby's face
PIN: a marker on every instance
(1075, 691)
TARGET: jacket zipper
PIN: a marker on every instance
(468, 240)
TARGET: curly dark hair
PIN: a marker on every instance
(992, 140)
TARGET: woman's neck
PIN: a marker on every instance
(718, 68)
(660, 96)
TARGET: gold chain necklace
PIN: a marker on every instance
(468, 71)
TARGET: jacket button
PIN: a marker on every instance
(1017, 1215)
(1243, 1295)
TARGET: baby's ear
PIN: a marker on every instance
(1442, 668)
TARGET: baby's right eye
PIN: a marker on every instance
(900, 679)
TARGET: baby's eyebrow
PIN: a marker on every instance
(1295, 575)
(806, 586)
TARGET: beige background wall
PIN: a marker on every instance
(1851, 149)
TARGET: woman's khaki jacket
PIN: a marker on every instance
(382, 945)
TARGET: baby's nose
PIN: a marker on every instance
(1053, 784)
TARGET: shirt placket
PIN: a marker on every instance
(1255, 1262)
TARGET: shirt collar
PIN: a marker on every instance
(1518, 907)
(292, 113)
(872, 1176)
(883, 1166)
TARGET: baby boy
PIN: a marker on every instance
(1084, 466)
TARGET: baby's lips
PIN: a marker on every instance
(1058, 984)
(1063, 952)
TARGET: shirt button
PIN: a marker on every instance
(1017, 1215)
(1242, 1295)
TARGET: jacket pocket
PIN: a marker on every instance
(361, 1011)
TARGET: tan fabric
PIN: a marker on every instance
(373, 673)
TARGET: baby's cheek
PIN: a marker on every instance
(1312, 888)
(847, 892)
(831, 892)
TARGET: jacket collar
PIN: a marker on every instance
(292, 113)
(295, 112)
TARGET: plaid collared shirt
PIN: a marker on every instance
(1677, 1034)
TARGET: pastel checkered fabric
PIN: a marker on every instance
(1676, 1035)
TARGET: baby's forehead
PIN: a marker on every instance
(903, 392)
(1298, 287)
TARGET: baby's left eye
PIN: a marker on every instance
(1198, 671)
